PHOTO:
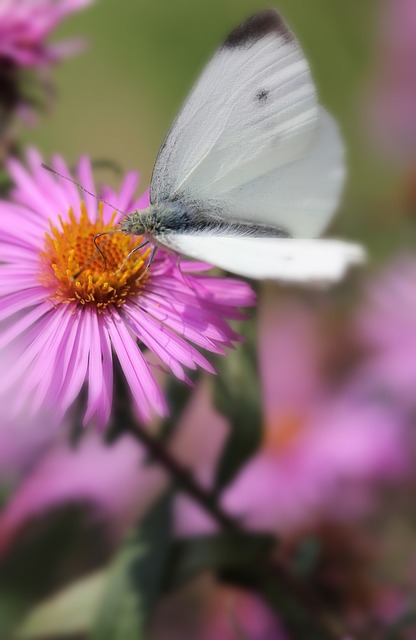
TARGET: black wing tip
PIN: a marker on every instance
(256, 27)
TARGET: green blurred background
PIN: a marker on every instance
(117, 99)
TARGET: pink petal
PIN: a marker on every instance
(145, 390)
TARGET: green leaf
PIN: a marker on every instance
(119, 612)
(246, 560)
(299, 618)
(149, 570)
(69, 612)
(237, 396)
(54, 549)
(5, 182)
(307, 557)
(222, 552)
(406, 623)
(115, 603)
(136, 578)
(12, 606)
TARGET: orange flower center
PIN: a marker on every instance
(77, 272)
(282, 433)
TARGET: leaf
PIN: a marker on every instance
(245, 559)
(222, 552)
(307, 557)
(118, 616)
(237, 396)
(149, 570)
(71, 611)
(51, 549)
(406, 623)
(12, 607)
(5, 182)
(299, 618)
(115, 603)
(136, 578)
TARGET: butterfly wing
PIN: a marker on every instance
(292, 261)
(251, 141)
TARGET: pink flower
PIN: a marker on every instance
(393, 100)
(386, 320)
(233, 613)
(386, 326)
(324, 450)
(25, 25)
(67, 313)
(113, 481)
(215, 611)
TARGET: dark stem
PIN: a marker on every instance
(184, 479)
(271, 577)
(124, 422)
(272, 572)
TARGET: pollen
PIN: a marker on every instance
(74, 269)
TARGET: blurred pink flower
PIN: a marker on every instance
(317, 441)
(393, 98)
(208, 610)
(385, 325)
(66, 311)
(234, 613)
(25, 25)
(20, 442)
(324, 451)
(114, 481)
(386, 320)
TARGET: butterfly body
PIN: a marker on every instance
(168, 218)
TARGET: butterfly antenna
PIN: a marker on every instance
(70, 179)
(99, 249)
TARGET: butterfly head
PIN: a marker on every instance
(140, 223)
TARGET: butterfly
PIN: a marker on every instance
(252, 169)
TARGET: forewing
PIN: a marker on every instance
(253, 110)
(292, 261)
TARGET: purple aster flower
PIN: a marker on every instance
(24, 28)
(393, 92)
(326, 449)
(385, 325)
(115, 482)
(216, 611)
(25, 25)
(68, 313)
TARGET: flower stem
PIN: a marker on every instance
(274, 582)
(184, 479)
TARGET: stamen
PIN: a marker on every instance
(72, 262)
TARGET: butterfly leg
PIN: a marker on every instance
(152, 255)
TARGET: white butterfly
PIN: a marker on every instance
(253, 166)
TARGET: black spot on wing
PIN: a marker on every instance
(253, 29)
(262, 95)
